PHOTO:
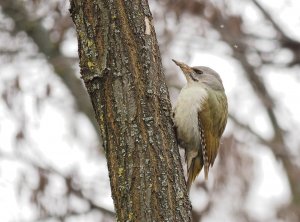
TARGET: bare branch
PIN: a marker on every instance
(72, 190)
(275, 25)
(62, 66)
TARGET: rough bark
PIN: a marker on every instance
(121, 67)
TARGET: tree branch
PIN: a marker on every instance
(267, 15)
(62, 66)
(47, 169)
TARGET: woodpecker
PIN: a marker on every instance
(200, 116)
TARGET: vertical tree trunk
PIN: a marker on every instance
(121, 67)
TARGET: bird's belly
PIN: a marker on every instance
(186, 116)
(187, 127)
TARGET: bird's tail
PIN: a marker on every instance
(194, 167)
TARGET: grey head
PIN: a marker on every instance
(201, 75)
(207, 76)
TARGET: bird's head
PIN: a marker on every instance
(201, 75)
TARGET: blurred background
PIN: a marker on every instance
(52, 165)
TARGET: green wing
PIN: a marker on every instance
(212, 119)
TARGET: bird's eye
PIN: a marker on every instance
(198, 71)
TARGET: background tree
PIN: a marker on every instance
(45, 117)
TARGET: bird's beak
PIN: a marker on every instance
(184, 67)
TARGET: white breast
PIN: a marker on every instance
(188, 104)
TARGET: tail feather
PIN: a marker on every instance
(206, 169)
(193, 170)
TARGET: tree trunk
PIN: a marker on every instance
(121, 67)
